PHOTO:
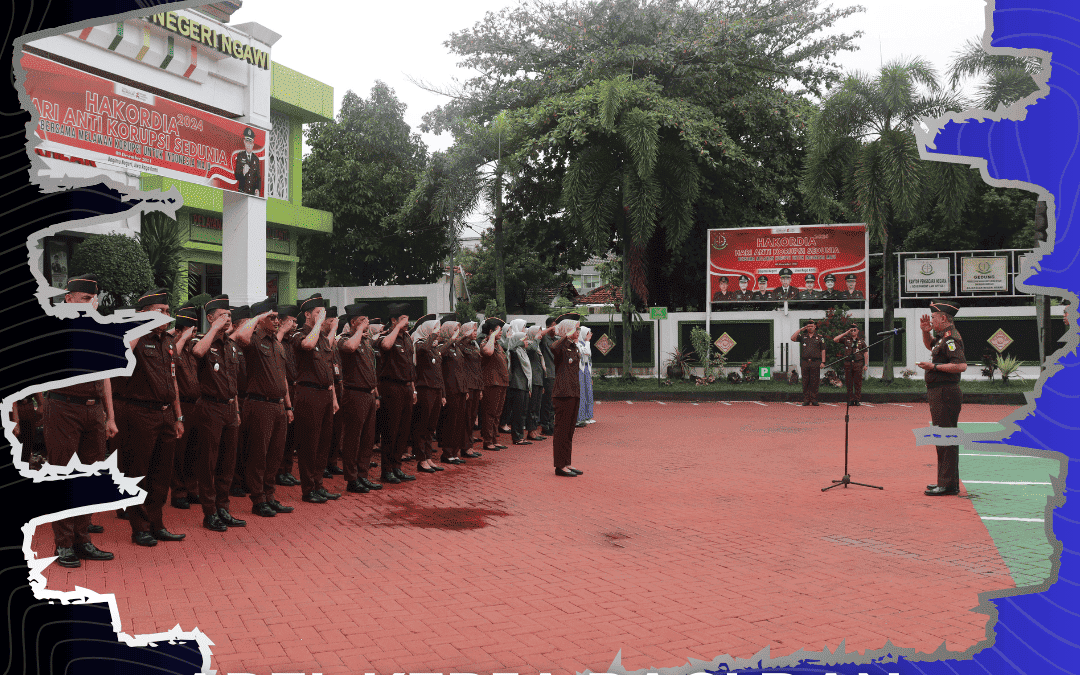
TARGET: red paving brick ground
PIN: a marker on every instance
(696, 531)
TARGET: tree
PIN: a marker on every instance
(121, 264)
(1008, 78)
(863, 162)
(159, 236)
(362, 168)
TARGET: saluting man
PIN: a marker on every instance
(77, 421)
(185, 485)
(397, 385)
(943, 370)
(812, 358)
(359, 401)
(856, 361)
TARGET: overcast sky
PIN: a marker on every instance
(350, 45)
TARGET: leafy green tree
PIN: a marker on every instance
(1008, 78)
(121, 265)
(362, 168)
(159, 236)
(863, 163)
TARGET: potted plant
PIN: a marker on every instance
(1008, 366)
(678, 364)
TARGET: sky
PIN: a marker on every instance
(350, 45)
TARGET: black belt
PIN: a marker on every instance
(78, 400)
(188, 400)
(390, 379)
(256, 397)
(312, 385)
(149, 405)
(218, 400)
(369, 390)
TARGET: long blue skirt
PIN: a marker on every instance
(585, 408)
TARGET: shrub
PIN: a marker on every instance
(121, 265)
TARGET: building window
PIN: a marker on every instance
(277, 165)
(591, 281)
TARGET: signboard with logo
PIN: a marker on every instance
(792, 263)
(927, 275)
(984, 274)
(96, 122)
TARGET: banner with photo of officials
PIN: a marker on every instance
(795, 264)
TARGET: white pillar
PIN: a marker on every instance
(243, 248)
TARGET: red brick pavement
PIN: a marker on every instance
(697, 531)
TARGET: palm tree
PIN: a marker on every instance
(159, 236)
(863, 163)
(1008, 78)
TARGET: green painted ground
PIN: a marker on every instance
(986, 471)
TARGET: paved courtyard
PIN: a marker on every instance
(697, 531)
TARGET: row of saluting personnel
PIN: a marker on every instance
(225, 413)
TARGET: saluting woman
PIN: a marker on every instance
(429, 390)
(585, 408)
(453, 365)
(517, 394)
(566, 394)
(475, 382)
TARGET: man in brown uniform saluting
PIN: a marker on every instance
(943, 370)
(812, 358)
(397, 384)
(151, 421)
(360, 399)
(316, 400)
(856, 361)
(77, 420)
(268, 408)
(185, 486)
(494, 368)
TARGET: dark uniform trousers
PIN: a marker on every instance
(945, 402)
(547, 409)
(314, 420)
(811, 379)
(454, 427)
(532, 416)
(290, 440)
(148, 445)
(472, 408)
(184, 480)
(73, 429)
(562, 443)
(267, 427)
(853, 379)
(218, 431)
(239, 478)
(337, 436)
(396, 421)
(425, 417)
(494, 397)
(358, 438)
(517, 402)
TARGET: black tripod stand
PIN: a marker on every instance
(846, 480)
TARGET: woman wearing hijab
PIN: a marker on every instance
(496, 377)
(585, 408)
(454, 383)
(430, 396)
(517, 394)
(514, 326)
(471, 351)
(536, 360)
(566, 394)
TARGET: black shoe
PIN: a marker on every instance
(581, 424)
(939, 491)
(500, 447)
(815, 403)
(931, 487)
(314, 498)
(374, 464)
(235, 491)
(577, 471)
(294, 479)
(522, 442)
(408, 458)
(326, 494)
(66, 557)
(402, 476)
(213, 523)
(436, 467)
(805, 403)
(263, 509)
(88, 551)
(227, 518)
(283, 480)
(165, 535)
(143, 539)
(193, 499)
(371, 485)
(421, 467)
(279, 507)
(357, 487)
(472, 455)
(477, 440)
(121, 514)
(540, 438)
(855, 403)
(567, 474)
(95, 529)
(335, 470)
(390, 478)
(180, 503)
(549, 432)
(327, 473)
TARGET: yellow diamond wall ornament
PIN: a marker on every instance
(605, 344)
(725, 343)
(1000, 340)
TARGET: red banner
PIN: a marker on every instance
(100, 123)
(800, 263)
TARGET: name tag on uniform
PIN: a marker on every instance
(150, 346)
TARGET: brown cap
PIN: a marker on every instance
(944, 307)
(158, 296)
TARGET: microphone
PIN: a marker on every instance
(894, 331)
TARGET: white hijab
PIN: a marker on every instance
(586, 351)
(425, 329)
(516, 343)
(566, 327)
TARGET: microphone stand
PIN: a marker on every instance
(846, 480)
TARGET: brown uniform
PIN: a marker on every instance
(74, 420)
(811, 348)
(358, 408)
(475, 382)
(396, 377)
(217, 421)
(339, 420)
(496, 377)
(184, 481)
(290, 371)
(457, 435)
(429, 395)
(264, 412)
(566, 397)
(943, 393)
(854, 349)
(314, 416)
(146, 417)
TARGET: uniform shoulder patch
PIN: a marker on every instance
(951, 345)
